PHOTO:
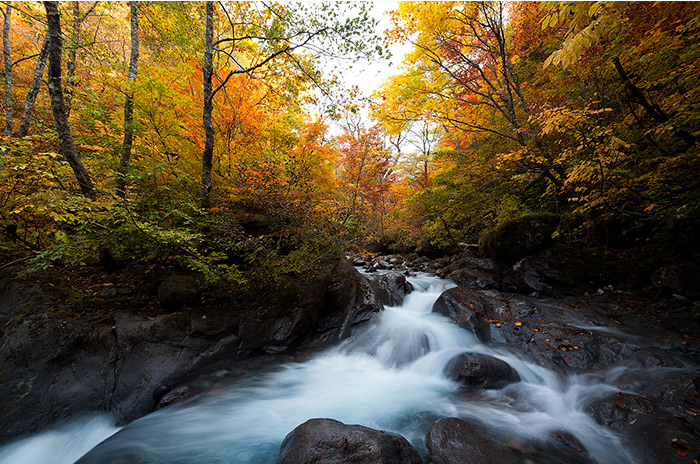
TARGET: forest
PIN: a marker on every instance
(197, 135)
(217, 246)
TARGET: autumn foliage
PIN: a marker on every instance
(587, 110)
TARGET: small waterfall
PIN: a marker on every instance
(388, 375)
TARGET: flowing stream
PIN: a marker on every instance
(388, 375)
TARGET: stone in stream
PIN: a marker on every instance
(466, 308)
(480, 371)
(453, 441)
(391, 288)
(328, 441)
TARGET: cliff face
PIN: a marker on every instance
(57, 359)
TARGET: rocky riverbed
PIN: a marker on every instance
(58, 359)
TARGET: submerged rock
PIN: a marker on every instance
(328, 441)
(454, 441)
(481, 371)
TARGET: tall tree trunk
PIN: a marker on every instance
(208, 71)
(53, 18)
(72, 58)
(34, 90)
(8, 71)
(129, 101)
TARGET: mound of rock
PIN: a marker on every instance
(477, 370)
(391, 288)
(453, 441)
(328, 441)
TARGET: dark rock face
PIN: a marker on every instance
(466, 308)
(660, 423)
(518, 238)
(391, 288)
(563, 269)
(480, 371)
(54, 365)
(519, 321)
(177, 291)
(347, 301)
(454, 441)
(682, 279)
(327, 441)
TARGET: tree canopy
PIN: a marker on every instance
(206, 135)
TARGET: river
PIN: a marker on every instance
(388, 375)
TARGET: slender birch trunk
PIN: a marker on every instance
(129, 101)
(28, 112)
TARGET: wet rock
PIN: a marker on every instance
(474, 278)
(477, 370)
(327, 441)
(518, 238)
(665, 439)
(661, 422)
(466, 308)
(391, 288)
(565, 448)
(454, 441)
(177, 291)
(176, 395)
(651, 357)
(472, 272)
(347, 301)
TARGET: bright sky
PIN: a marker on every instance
(369, 77)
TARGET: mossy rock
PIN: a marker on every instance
(518, 238)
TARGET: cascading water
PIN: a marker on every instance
(388, 375)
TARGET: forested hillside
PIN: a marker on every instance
(197, 135)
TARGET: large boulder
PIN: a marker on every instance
(467, 308)
(477, 370)
(347, 301)
(328, 441)
(391, 288)
(516, 239)
(453, 441)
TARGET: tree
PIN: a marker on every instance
(8, 69)
(275, 33)
(129, 101)
(29, 102)
(467, 78)
(68, 150)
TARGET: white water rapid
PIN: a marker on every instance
(388, 375)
